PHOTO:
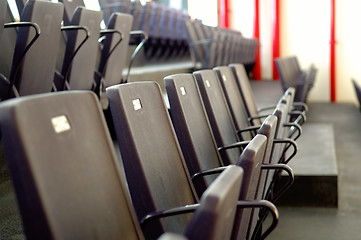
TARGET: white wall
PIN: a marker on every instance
(348, 52)
(206, 10)
(305, 32)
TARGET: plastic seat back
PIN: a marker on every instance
(79, 71)
(214, 218)
(3, 7)
(218, 113)
(234, 100)
(112, 66)
(246, 91)
(153, 162)
(64, 169)
(250, 160)
(192, 127)
(34, 72)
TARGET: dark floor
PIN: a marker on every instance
(343, 222)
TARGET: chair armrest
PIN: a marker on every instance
(167, 213)
(207, 172)
(280, 167)
(290, 143)
(136, 50)
(262, 204)
(17, 65)
(87, 34)
(296, 127)
(233, 145)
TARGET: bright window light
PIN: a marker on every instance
(14, 10)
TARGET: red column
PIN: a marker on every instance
(223, 13)
(257, 75)
(276, 37)
(333, 53)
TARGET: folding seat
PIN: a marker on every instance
(151, 156)
(357, 90)
(195, 135)
(35, 53)
(64, 169)
(114, 53)
(3, 6)
(297, 109)
(81, 52)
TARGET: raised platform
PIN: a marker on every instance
(315, 169)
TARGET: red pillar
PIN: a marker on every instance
(333, 53)
(257, 75)
(276, 37)
(223, 13)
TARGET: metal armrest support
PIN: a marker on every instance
(251, 129)
(87, 34)
(234, 145)
(300, 115)
(301, 104)
(296, 127)
(36, 36)
(280, 167)
(290, 143)
(262, 204)
(137, 49)
(207, 172)
(167, 213)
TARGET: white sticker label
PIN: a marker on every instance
(60, 124)
(208, 84)
(183, 90)
(137, 104)
(224, 78)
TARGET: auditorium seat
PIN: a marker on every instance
(291, 75)
(114, 53)
(195, 134)
(36, 49)
(64, 169)
(151, 156)
(357, 91)
(81, 56)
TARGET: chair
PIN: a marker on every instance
(195, 135)
(297, 109)
(151, 157)
(64, 169)
(234, 100)
(357, 90)
(114, 52)
(3, 7)
(35, 53)
(81, 55)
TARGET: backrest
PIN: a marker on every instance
(250, 160)
(153, 162)
(357, 90)
(218, 113)
(234, 100)
(137, 13)
(268, 129)
(64, 169)
(246, 91)
(192, 127)
(214, 218)
(80, 74)
(3, 8)
(281, 112)
(69, 9)
(112, 66)
(288, 70)
(192, 38)
(36, 69)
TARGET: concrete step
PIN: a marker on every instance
(315, 169)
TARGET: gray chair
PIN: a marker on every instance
(80, 62)
(64, 169)
(35, 53)
(152, 159)
(357, 91)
